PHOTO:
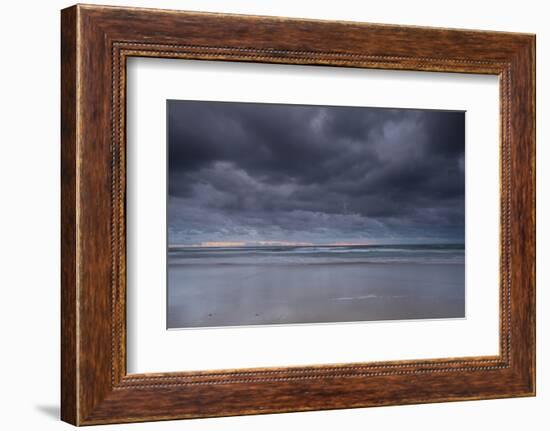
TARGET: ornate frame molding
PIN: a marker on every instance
(96, 41)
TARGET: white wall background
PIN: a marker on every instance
(29, 224)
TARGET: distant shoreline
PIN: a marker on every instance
(265, 246)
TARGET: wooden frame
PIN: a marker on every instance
(96, 41)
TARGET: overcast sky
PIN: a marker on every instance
(246, 172)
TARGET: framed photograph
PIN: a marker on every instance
(265, 215)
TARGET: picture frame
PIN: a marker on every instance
(96, 42)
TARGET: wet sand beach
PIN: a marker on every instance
(232, 287)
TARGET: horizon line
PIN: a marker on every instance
(226, 244)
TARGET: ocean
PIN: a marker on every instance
(268, 285)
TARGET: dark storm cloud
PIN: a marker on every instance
(254, 172)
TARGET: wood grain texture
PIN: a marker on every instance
(96, 41)
(69, 366)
